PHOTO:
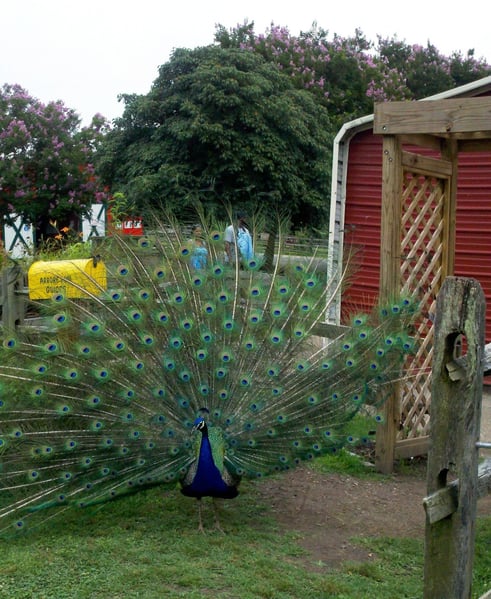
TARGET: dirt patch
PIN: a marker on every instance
(328, 510)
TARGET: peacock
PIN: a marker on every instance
(161, 369)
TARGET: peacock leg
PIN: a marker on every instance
(217, 519)
(200, 519)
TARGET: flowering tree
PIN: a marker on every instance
(46, 170)
(341, 73)
(425, 71)
(348, 75)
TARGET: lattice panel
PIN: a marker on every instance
(422, 274)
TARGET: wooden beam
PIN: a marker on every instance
(390, 279)
(470, 145)
(410, 448)
(13, 303)
(390, 242)
(444, 502)
(425, 165)
(422, 141)
(330, 331)
(452, 116)
(450, 156)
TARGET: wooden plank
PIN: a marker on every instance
(390, 242)
(425, 165)
(450, 152)
(410, 448)
(482, 145)
(13, 304)
(444, 502)
(422, 141)
(330, 331)
(455, 430)
(463, 116)
(390, 252)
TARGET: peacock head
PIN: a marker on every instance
(199, 424)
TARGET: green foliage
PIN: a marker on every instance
(67, 245)
(222, 126)
(72, 251)
(120, 208)
(424, 71)
(347, 463)
(482, 558)
(337, 73)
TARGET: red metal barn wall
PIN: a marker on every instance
(363, 212)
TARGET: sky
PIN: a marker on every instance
(87, 52)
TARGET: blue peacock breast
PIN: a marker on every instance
(205, 479)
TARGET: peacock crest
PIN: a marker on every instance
(168, 370)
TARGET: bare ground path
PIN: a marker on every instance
(328, 510)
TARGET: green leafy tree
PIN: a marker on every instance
(466, 68)
(222, 125)
(46, 163)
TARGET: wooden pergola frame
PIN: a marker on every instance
(446, 126)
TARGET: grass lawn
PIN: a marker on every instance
(147, 546)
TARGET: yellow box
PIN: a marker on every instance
(72, 278)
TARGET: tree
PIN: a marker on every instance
(46, 166)
(348, 74)
(424, 71)
(222, 125)
(336, 72)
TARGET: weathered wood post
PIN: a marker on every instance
(455, 427)
(13, 303)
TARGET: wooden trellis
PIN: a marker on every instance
(418, 238)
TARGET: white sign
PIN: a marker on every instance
(95, 225)
(18, 238)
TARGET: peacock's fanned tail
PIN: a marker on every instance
(102, 401)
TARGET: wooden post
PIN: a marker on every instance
(13, 304)
(390, 278)
(455, 428)
(450, 153)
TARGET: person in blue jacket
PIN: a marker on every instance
(199, 251)
(240, 237)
